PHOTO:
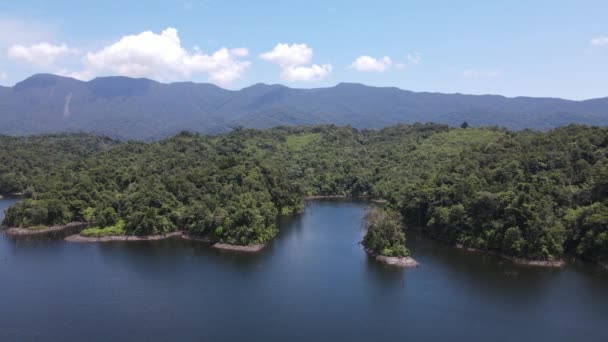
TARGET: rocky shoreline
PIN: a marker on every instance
(238, 248)
(404, 262)
(520, 261)
(189, 237)
(132, 238)
(20, 231)
(312, 198)
(80, 238)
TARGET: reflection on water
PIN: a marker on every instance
(314, 282)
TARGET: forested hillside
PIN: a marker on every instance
(31, 160)
(127, 108)
(529, 194)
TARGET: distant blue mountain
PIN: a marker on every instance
(130, 108)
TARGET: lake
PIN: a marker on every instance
(313, 282)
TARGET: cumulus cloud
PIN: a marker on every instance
(599, 41)
(162, 57)
(288, 55)
(293, 60)
(481, 73)
(41, 54)
(368, 63)
(302, 73)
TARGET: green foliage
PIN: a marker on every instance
(300, 141)
(114, 230)
(28, 213)
(384, 234)
(528, 194)
(28, 161)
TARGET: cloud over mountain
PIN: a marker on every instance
(41, 54)
(293, 60)
(162, 57)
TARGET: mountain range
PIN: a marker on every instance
(130, 108)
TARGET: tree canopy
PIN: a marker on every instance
(525, 193)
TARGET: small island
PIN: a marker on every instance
(385, 238)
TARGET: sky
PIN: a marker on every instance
(514, 48)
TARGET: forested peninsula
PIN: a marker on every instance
(525, 194)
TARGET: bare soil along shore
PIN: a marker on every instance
(516, 260)
(239, 248)
(312, 198)
(197, 238)
(405, 262)
(79, 238)
(70, 228)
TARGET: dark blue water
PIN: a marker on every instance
(312, 283)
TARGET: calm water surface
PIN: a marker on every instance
(313, 282)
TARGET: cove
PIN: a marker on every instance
(313, 282)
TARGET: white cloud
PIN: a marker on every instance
(288, 55)
(302, 73)
(162, 57)
(368, 63)
(293, 60)
(599, 41)
(371, 64)
(41, 54)
(482, 73)
(3, 76)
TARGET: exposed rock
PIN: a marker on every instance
(19, 231)
(519, 261)
(239, 248)
(405, 262)
(79, 238)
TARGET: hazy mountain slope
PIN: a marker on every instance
(124, 107)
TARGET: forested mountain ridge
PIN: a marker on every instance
(143, 109)
(526, 194)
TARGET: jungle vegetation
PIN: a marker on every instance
(522, 193)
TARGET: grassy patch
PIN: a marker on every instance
(296, 142)
(117, 229)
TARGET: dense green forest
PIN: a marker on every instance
(384, 233)
(526, 193)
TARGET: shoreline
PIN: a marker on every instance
(111, 238)
(519, 261)
(403, 262)
(367, 197)
(319, 197)
(239, 248)
(24, 231)
(206, 239)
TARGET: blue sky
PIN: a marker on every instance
(513, 48)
